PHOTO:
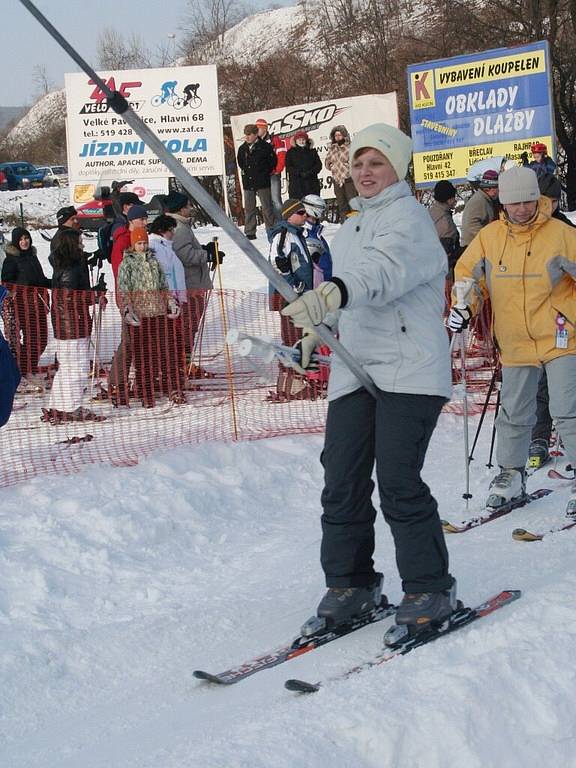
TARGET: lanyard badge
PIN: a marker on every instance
(561, 332)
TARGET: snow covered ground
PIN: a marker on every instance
(116, 583)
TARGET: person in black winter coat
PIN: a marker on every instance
(25, 313)
(303, 165)
(67, 218)
(72, 298)
(256, 160)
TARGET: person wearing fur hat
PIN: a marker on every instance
(27, 309)
(526, 263)
(441, 213)
(72, 298)
(337, 162)
(387, 295)
(303, 165)
(257, 161)
(151, 312)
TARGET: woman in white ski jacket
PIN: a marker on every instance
(388, 289)
(161, 234)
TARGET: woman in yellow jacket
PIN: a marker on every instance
(526, 263)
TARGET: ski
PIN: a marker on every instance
(521, 534)
(460, 618)
(493, 513)
(302, 644)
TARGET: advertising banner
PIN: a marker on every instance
(468, 108)
(317, 119)
(179, 104)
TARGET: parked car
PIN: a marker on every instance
(103, 207)
(54, 175)
(22, 175)
(3, 182)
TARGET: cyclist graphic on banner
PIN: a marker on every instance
(170, 96)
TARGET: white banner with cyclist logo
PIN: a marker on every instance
(317, 119)
(179, 104)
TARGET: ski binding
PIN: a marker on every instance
(460, 618)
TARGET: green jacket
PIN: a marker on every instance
(142, 284)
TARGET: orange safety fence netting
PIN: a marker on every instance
(96, 389)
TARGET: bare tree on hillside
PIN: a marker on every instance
(359, 41)
(280, 81)
(116, 52)
(41, 79)
(206, 23)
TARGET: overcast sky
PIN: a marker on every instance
(26, 44)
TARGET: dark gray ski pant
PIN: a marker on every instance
(393, 431)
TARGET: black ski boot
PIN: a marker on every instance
(343, 604)
(418, 611)
(538, 454)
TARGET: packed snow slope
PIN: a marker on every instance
(116, 583)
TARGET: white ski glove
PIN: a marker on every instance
(313, 306)
(130, 317)
(306, 346)
(173, 309)
(458, 319)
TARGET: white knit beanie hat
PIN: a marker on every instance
(518, 185)
(386, 139)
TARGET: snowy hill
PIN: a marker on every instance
(44, 115)
(266, 33)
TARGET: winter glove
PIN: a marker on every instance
(213, 257)
(306, 346)
(173, 309)
(524, 158)
(101, 286)
(458, 319)
(130, 317)
(283, 264)
(314, 248)
(299, 287)
(313, 306)
(95, 259)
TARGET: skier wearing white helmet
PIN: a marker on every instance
(318, 248)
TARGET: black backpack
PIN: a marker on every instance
(104, 240)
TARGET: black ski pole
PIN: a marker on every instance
(118, 104)
(483, 414)
(493, 440)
